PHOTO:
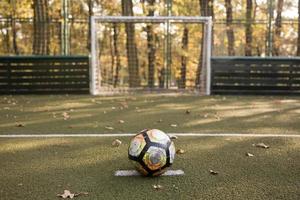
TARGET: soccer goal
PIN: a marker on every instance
(150, 53)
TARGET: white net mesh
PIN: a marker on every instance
(150, 53)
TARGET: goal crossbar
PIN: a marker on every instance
(207, 22)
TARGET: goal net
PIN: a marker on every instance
(150, 53)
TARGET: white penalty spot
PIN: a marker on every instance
(178, 172)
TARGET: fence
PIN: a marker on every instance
(44, 74)
(244, 75)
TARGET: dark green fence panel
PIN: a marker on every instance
(44, 74)
(255, 75)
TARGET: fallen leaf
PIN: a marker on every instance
(113, 108)
(173, 137)
(157, 187)
(174, 125)
(159, 121)
(121, 121)
(213, 172)
(262, 145)
(20, 125)
(65, 115)
(249, 154)
(66, 194)
(116, 143)
(6, 108)
(187, 112)
(20, 184)
(109, 127)
(180, 151)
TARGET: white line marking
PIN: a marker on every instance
(178, 172)
(131, 134)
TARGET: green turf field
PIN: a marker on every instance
(86, 114)
(42, 168)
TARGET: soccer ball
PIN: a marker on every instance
(151, 151)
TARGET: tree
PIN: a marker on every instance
(184, 56)
(151, 44)
(229, 29)
(132, 56)
(278, 27)
(41, 35)
(298, 41)
(249, 11)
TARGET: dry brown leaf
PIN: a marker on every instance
(262, 145)
(121, 121)
(180, 151)
(157, 187)
(249, 154)
(173, 137)
(159, 121)
(187, 112)
(65, 115)
(66, 194)
(174, 125)
(213, 172)
(109, 127)
(20, 125)
(116, 143)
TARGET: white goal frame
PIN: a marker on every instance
(205, 79)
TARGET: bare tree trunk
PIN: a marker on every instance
(90, 4)
(278, 26)
(132, 56)
(184, 58)
(298, 42)
(117, 53)
(206, 9)
(229, 29)
(249, 12)
(41, 34)
(151, 46)
(13, 27)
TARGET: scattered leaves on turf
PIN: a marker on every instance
(116, 143)
(18, 124)
(180, 151)
(65, 115)
(157, 187)
(261, 145)
(173, 137)
(213, 172)
(159, 121)
(68, 194)
(187, 112)
(249, 154)
(174, 125)
(109, 127)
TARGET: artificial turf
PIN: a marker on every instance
(87, 114)
(41, 168)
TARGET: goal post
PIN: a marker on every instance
(165, 52)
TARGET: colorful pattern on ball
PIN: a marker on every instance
(152, 152)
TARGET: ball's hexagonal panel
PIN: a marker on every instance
(136, 145)
(155, 158)
(158, 136)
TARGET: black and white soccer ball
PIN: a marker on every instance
(151, 151)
